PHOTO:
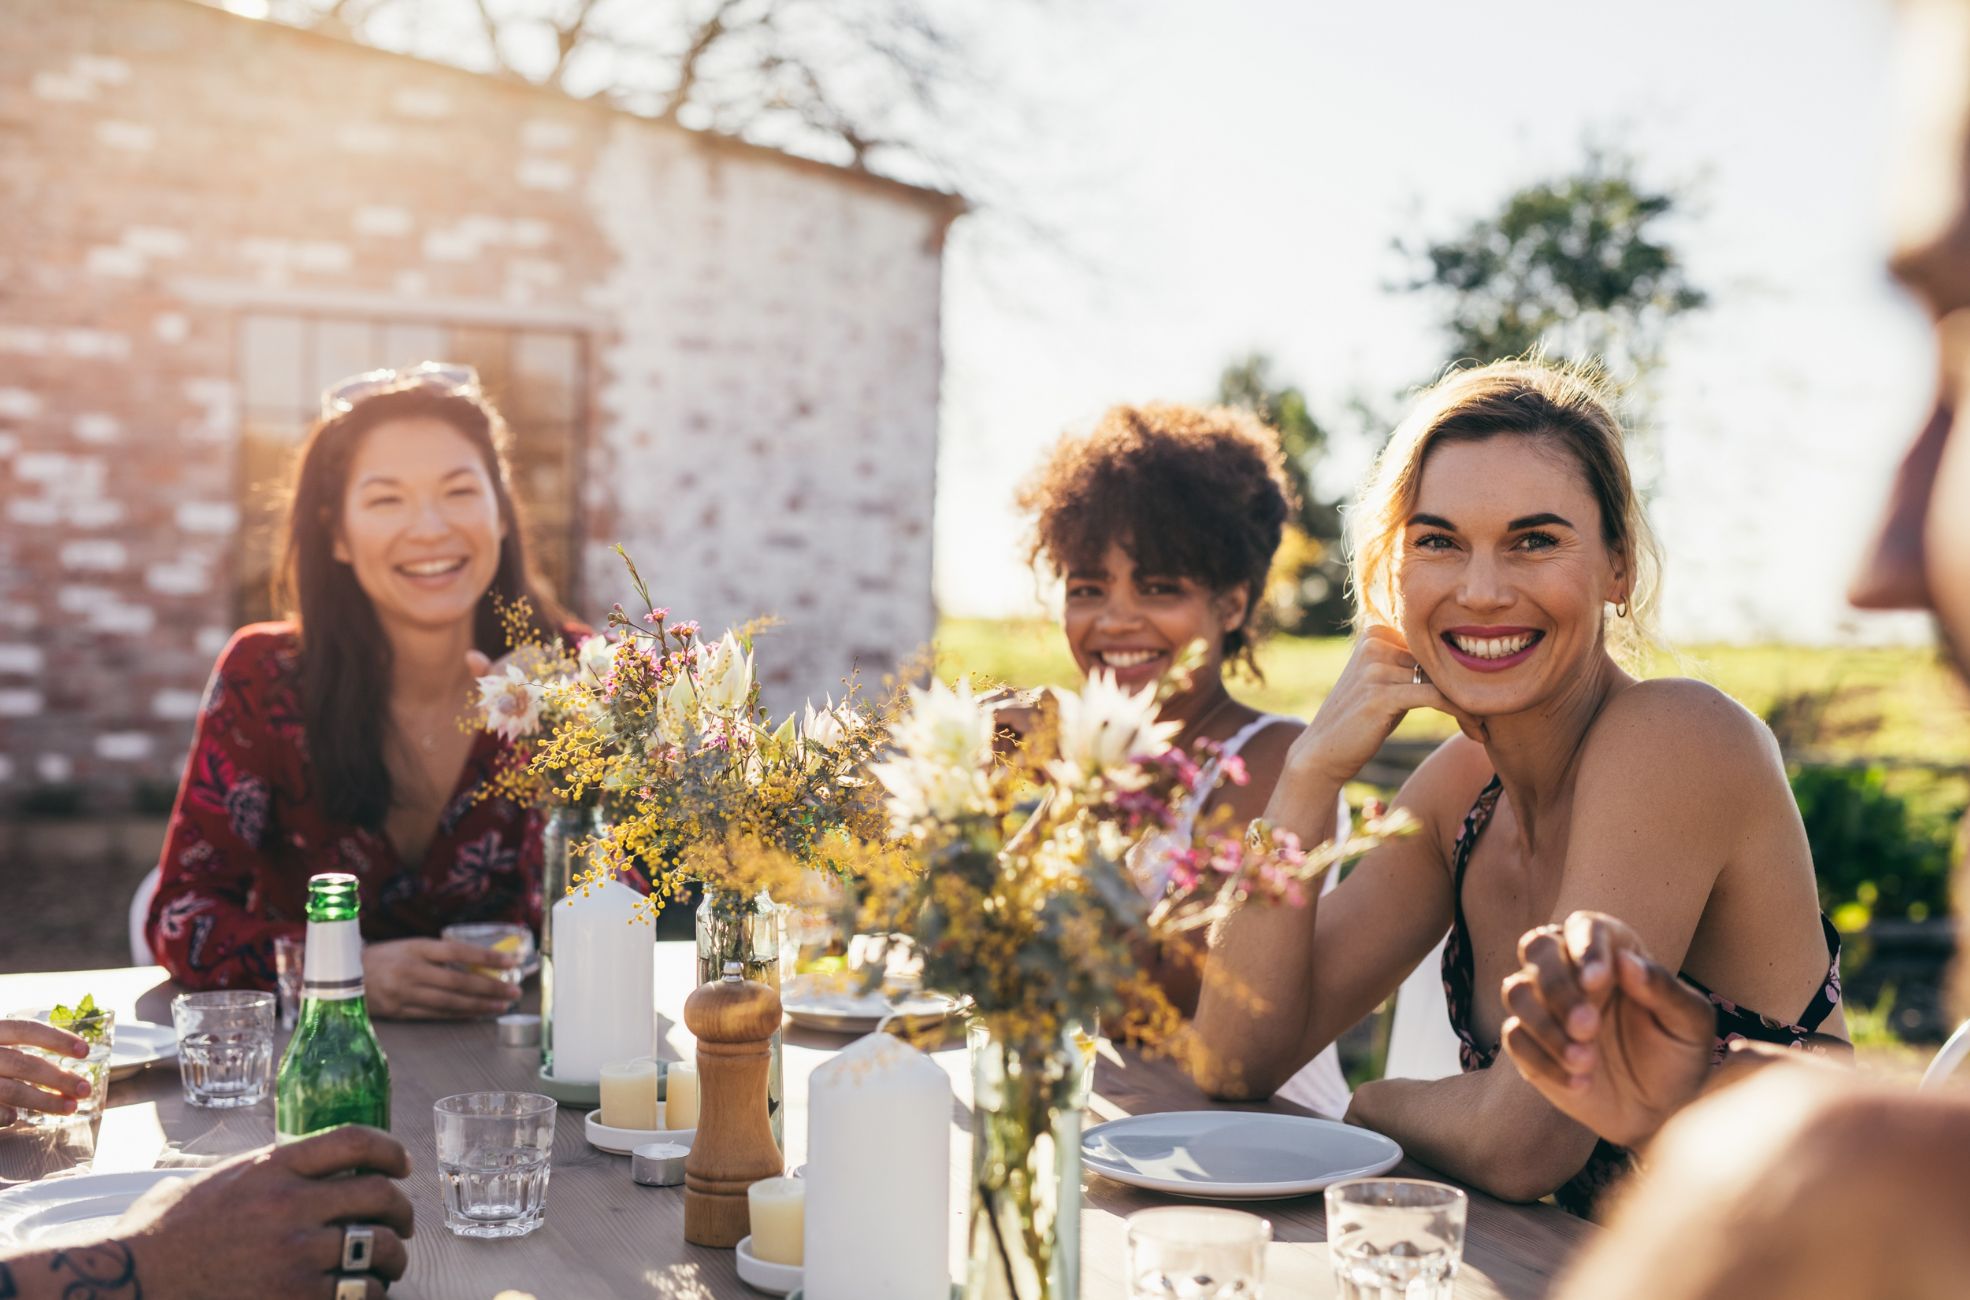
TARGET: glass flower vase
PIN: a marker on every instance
(568, 826)
(752, 932)
(1028, 1100)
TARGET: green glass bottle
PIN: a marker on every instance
(334, 1072)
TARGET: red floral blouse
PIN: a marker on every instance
(247, 832)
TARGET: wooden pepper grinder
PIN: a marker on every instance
(734, 1021)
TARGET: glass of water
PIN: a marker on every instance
(1186, 1252)
(98, 1029)
(290, 950)
(225, 1047)
(493, 1155)
(1395, 1237)
(500, 936)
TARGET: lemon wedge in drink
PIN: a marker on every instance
(509, 943)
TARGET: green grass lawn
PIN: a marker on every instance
(1891, 703)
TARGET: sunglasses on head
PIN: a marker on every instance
(439, 376)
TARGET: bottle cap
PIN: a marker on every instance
(658, 1164)
(519, 1029)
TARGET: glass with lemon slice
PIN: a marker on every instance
(502, 937)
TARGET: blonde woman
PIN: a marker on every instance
(1499, 551)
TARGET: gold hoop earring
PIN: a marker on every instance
(1621, 609)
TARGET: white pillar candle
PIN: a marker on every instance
(681, 1096)
(776, 1205)
(879, 1174)
(605, 984)
(629, 1095)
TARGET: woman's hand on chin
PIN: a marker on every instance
(1606, 1034)
(1374, 692)
(414, 979)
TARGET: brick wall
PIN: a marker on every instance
(762, 336)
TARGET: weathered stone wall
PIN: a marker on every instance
(762, 335)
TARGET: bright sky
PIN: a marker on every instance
(1241, 168)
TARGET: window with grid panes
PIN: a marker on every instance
(537, 378)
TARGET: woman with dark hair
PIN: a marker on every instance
(1162, 522)
(332, 741)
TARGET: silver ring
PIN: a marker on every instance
(351, 1288)
(358, 1250)
(1417, 679)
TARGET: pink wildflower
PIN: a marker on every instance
(687, 628)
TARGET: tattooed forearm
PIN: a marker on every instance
(104, 1272)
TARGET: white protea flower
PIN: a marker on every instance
(724, 675)
(511, 703)
(947, 725)
(677, 711)
(1104, 730)
(923, 792)
(944, 746)
(597, 657)
(830, 726)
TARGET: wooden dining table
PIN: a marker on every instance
(606, 1236)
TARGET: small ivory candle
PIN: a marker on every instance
(629, 1095)
(681, 1096)
(879, 1165)
(777, 1206)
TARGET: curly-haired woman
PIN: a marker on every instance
(1161, 522)
(331, 742)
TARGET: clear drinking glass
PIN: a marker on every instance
(290, 951)
(500, 936)
(100, 1031)
(493, 1155)
(1395, 1237)
(1187, 1252)
(225, 1047)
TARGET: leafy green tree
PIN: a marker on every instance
(1578, 265)
(1307, 591)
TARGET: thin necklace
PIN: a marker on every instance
(1195, 730)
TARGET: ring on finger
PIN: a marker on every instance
(358, 1250)
(1416, 679)
(351, 1288)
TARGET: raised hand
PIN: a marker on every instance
(413, 979)
(268, 1223)
(28, 1082)
(1606, 1034)
(1373, 693)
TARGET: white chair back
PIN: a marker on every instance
(140, 953)
(1422, 1044)
(1948, 1058)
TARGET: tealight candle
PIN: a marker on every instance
(681, 1096)
(629, 1094)
(777, 1206)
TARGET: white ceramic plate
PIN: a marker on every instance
(138, 1044)
(622, 1141)
(773, 1279)
(1234, 1154)
(56, 1210)
(820, 1002)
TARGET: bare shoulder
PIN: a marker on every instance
(1679, 721)
(1264, 755)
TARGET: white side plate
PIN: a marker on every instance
(773, 1279)
(138, 1044)
(56, 1210)
(1234, 1155)
(821, 1002)
(622, 1141)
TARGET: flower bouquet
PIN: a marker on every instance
(1026, 901)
